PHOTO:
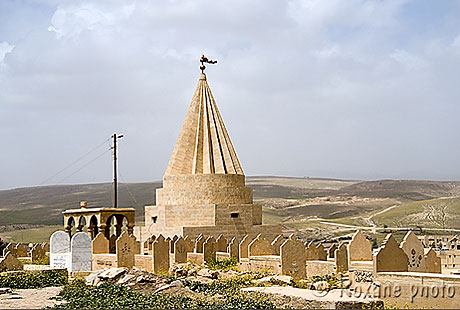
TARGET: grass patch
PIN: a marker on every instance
(33, 279)
(224, 265)
(33, 235)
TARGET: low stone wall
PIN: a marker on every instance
(101, 261)
(269, 263)
(222, 256)
(419, 290)
(319, 268)
(144, 262)
(196, 258)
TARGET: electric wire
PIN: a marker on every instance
(74, 162)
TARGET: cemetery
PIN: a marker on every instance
(205, 234)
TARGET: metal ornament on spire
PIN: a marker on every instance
(205, 59)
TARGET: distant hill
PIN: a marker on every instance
(283, 198)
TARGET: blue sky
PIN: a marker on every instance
(347, 89)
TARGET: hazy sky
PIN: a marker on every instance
(324, 88)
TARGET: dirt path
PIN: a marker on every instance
(369, 220)
(30, 298)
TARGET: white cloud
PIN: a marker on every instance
(5, 48)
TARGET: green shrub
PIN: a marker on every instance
(45, 260)
(33, 279)
(224, 265)
(110, 296)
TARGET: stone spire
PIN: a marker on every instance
(203, 146)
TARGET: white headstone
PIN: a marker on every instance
(81, 252)
(60, 250)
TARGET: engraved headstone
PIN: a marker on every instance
(293, 258)
(182, 246)
(60, 250)
(233, 248)
(81, 252)
(415, 252)
(125, 251)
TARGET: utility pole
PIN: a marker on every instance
(115, 179)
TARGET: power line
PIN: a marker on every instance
(99, 156)
(127, 188)
(75, 161)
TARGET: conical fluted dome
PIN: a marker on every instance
(203, 146)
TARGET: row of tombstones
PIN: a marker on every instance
(35, 251)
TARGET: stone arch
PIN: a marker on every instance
(70, 227)
(93, 228)
(82, 222)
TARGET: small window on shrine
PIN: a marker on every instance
(234, 215)
(154, 219)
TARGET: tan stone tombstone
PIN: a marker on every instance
(432, 261)
(331, 250)
(341, 258)
(221, 244)
(10, 262)
(276, 244)
(46, 246)
(315, 252)
(38, 253)
(21, 250)
(293, 258)
(125, 251)
(199, 244)
(137, 246)
(171, 244)
(359, 248)
(390, 257)
(100, 244)
(209, 249)
(182, 246)
(112, 244)
(233, 248)
(260, 246)
(161, 250)
(415, 252)
(150, 242)
(244, 247)
(11, 247)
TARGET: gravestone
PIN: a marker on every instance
(160, 248)
(113, 244)
(260, 246)
(3, 245)
(233, 248)
(125, 251)
(137, 245)
(100, 244)
(341, 258)
(60, 250)
(11, 247)
(293, 258)
(173, 240)
(209, 249)
(331, 250)
(276, 244)
(432, 261)
(315, 252)
(46, 246)
(199, 244)
(9, 262)
(150, 242)
(80, 252)
(390, 257)
(38, 253)
(244, 247)
(182, 246)
(415, 252)
(359, 248)
(221, 244)
(22, 250)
